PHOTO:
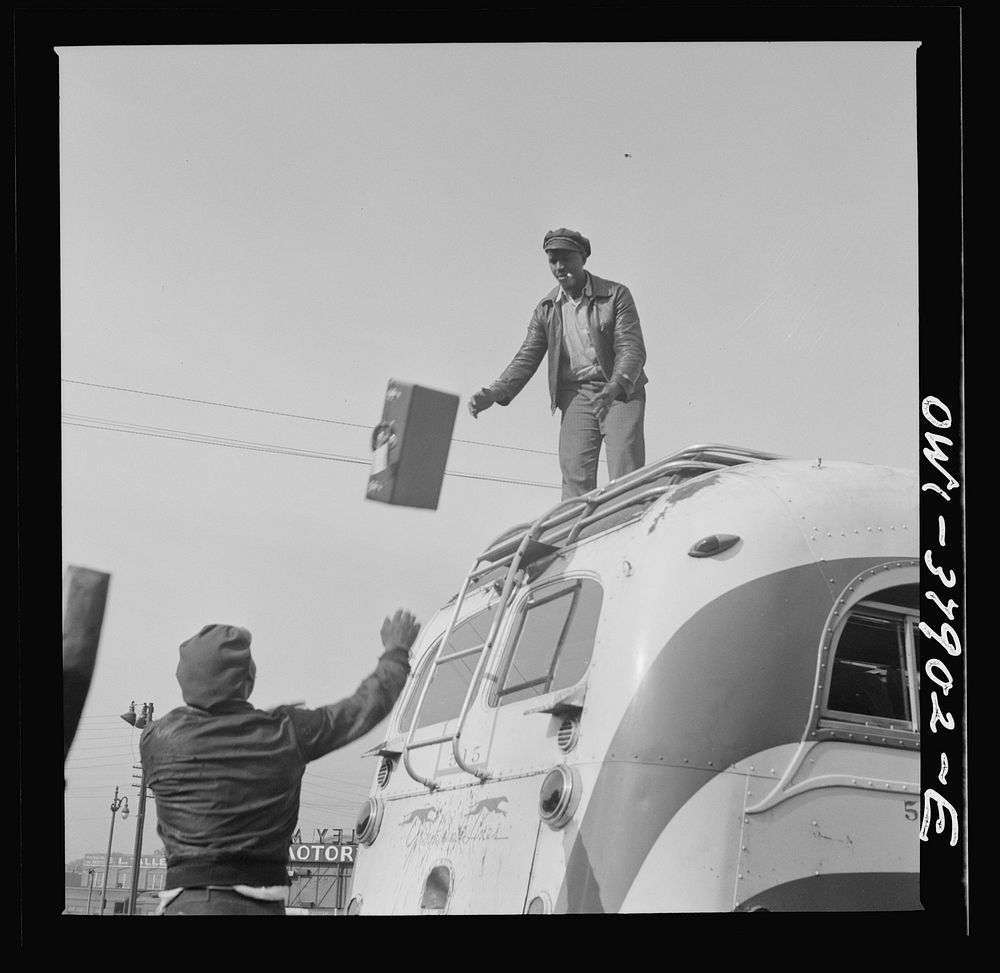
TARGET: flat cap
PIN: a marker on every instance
(563, 239)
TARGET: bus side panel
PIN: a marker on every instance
(850, 811)
(625, 800)
(693, 865)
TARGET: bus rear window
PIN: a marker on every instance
(553, 641)
(450, 681)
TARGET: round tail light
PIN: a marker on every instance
(369, 820)
(559, 796)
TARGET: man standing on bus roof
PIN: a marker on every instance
(590, 329)
(226, 776)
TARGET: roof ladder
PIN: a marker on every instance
(529, 550)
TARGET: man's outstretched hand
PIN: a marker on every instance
(480, 401)
(400, 631)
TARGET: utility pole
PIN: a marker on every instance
(90, 872)
(139, 722)
(140, 820)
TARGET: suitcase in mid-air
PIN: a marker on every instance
(410, 445)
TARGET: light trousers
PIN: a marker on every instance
(581, 434)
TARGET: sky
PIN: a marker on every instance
(256, 239)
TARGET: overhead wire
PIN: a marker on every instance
(180, 435)
(286, 415)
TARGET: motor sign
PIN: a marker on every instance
(319, 854)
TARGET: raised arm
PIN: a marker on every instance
(328, 728)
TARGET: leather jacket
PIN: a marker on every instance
(226, 776)
(614, 330)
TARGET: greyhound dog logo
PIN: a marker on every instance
(421, 814)
(490, 805)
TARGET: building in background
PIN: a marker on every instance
(321, 873)
(85, 882)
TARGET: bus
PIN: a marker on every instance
(694, 689)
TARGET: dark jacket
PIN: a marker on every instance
(226, 776)
(614, 330)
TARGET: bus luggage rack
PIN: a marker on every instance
(516, 549)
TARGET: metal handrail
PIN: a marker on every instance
(509, 583)
(408, 743)
(708, 456)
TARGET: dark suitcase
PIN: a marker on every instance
(410, 445)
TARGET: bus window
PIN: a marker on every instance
(873, 679)
(553, 640)
(451, 677)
